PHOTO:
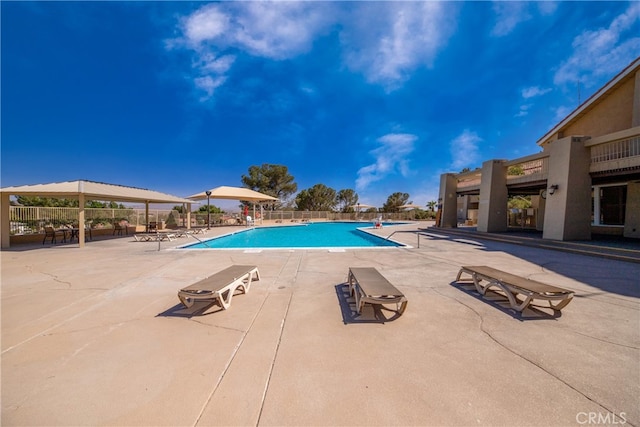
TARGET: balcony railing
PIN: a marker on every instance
(528, 171)
(469, 181)
(613, 155)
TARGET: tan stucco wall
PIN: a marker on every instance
(492, 209)
(612, 114)
(632, 212)
(567, 213)
(449, 200)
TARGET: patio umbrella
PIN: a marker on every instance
(410, 206)
(233, 193)
(361, 206)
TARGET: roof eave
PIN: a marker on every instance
(593, 99)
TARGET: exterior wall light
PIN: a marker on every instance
(553, 188)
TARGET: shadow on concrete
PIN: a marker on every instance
(435, 236)
(500, 302)
(591, 262)
(371, 313)
(200, 308)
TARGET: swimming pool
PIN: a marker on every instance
(309, 235)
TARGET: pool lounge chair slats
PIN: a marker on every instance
(513, 286)
(220, 286)
(370, 287)
(154, 237)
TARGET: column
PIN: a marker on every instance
(492, 209)
(448, 203)
(5, 223)
(567, 213)
(632, 213)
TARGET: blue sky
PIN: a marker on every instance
(378, 97)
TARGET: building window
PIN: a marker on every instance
(609, 204)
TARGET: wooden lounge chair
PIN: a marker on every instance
(371, 287)
(512, 286)
(221, 286)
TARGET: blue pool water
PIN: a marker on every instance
(311, 235)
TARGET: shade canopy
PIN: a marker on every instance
(410, 206)
(92, 190)
(82, 190)
(234, 193)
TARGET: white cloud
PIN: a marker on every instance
(464, 150)
(207, 62)
(528, 93)
(279, 30)
(390, 157)
(533, 91)
(599, 53)
(524, 110)
(206, 23)
(387, 41)
(275, 30)
(508, 15)
(208, 85)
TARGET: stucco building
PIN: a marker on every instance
(585, 181)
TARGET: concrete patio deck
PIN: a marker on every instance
(97, 337)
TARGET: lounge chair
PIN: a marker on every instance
(250, 221)
(221, 286)
(154, 237)
(370, 287)
(512, 286)
(144, 237)
(195, 230)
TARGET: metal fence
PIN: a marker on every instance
(33, 219)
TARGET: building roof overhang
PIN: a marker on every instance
(593, 100)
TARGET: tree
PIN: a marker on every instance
(432, 205)
(317, 198)
(98, 204)
(394, 202)
(519, 202)
(46, 202)
(515, 170)
(212, 208)
(65, 203)
(273, 180)
(346, 199)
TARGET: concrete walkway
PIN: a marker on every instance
(97, 337)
